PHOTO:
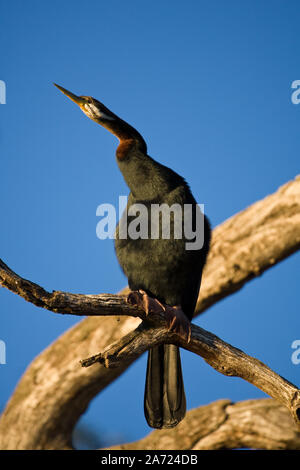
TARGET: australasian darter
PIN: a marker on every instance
(162, 273)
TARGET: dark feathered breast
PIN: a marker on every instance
(164, 268)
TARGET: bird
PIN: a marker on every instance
(163, 275)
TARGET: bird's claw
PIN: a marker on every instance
(177, 321)
(147, 303)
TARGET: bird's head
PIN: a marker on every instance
(90, 106)
(102, 115)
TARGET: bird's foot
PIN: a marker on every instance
(177, 321)
(143, 300)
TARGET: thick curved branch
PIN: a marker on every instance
(250, 242)
(253, 424)
(55, 390)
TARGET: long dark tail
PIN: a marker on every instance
(164, 403)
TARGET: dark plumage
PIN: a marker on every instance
(166, 271)
(162, 268)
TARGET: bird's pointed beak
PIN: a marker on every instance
(77, 99)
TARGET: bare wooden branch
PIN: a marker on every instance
(223, 357)
(253, 424)
(55, 390)
(220, 355)
(250, 242)
(65, 302)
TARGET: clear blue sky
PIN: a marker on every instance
(208, 84)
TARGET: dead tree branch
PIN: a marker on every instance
(253, 424)
(250, 242)
(223, 357)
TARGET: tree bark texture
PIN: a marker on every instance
(253, 424)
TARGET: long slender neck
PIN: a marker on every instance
(146, 178)
(124, 132)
